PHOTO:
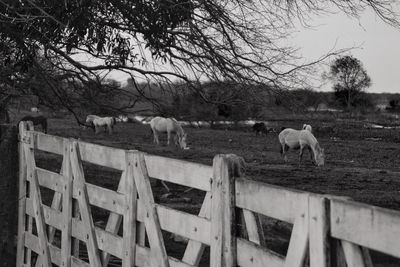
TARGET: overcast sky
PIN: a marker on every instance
(379, 46)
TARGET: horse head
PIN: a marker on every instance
(320, 156)
(182, 141)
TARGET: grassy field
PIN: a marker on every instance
(360, 163)
(363, 164)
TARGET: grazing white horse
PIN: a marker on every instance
(168, 125)
(307, 127)
(294, 139)
(99, 122)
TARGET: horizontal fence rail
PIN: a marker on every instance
(326, 230)
(372, 227)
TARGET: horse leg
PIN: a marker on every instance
(301, 154)
(109, 129)
(155, 135)
(96, 129)
(283, 152)
(168, 137)
(311, 155)
(176, 139)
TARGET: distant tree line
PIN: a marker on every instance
(235, 102)
(216, 101)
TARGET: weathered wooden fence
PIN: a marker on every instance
(324, 227)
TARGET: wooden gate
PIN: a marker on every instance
(131, 206)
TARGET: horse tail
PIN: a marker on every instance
(281, 148)
(151, 131)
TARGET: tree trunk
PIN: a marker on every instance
(348, 100)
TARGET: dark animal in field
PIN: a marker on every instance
(260, 128)
(294, 139)
(36, 120)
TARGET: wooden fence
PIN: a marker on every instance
(327, 231)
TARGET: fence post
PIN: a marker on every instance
(21, 197)
(9, 193)
(319, 227)
(129, 220)
(336, 253)
(24, 222)
(223, 218)
(66, 236)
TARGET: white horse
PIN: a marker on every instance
(168, 125)
(307, 127)
(90, 118)
(89, 121)
(294, 139)
(99, 122)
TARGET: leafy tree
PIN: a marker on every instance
(350, 80)
(153, 40)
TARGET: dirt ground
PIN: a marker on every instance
(363, 164)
